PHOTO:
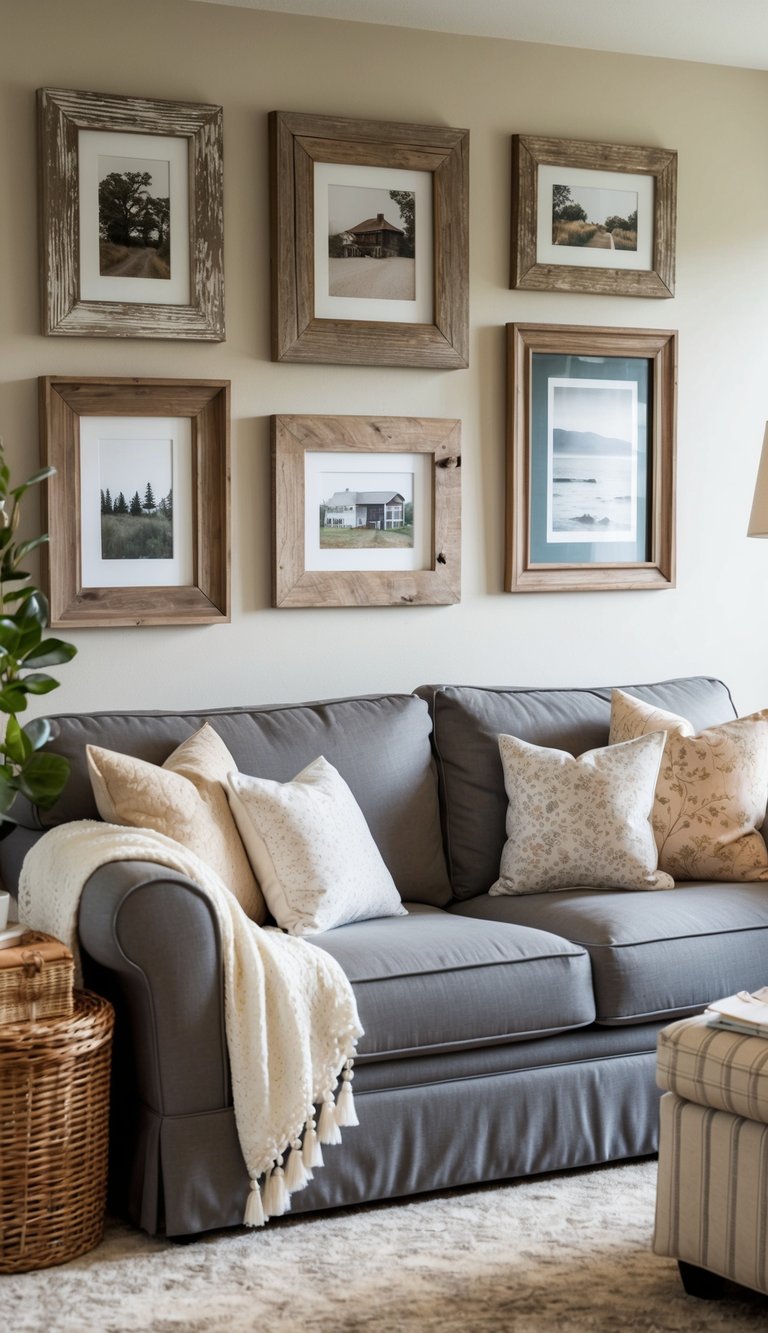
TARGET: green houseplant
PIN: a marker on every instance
(24, 650)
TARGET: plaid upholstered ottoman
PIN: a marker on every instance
(712, 1193)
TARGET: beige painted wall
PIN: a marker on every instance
(713, 622)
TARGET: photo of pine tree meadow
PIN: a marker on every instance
(134, 218)
(136, 493)
(595, 218)
(371, 243)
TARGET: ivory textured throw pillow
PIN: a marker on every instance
(581, 822)
(711, 794)
(186, 799)
(312, 850)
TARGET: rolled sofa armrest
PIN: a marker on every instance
(156, 942)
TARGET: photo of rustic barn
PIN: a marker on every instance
(371, 243)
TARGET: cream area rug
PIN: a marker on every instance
(562, 1252)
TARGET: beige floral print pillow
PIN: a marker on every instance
(580, 822)
(186, 800)
(312, 850)
(711, 793)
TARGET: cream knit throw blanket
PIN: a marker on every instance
(291, 1017)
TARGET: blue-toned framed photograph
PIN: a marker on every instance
(591, 447)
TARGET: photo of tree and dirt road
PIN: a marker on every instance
(134, 218)
(371, 243)
(136, 498)
(594, 218)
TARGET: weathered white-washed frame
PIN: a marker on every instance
(62, 114)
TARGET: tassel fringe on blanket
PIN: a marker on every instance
(273, 1197)
(291, 1019)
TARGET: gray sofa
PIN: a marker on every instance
(503, 1036)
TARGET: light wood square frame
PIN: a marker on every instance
(659, 347)
(529, 152)
(62, 113)
(297, 141)
(293, 584)
(63, 401)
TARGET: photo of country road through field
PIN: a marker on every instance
(593, 218)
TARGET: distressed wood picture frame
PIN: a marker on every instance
(591, 418)
(95, 428)
(366, 511)
(601, 175)
(82, 136)
(310, 320)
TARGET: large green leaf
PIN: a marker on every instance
(13, 698)
(50, 653)
(9, 635)
(34, 609)
(38, 732)
(39, 683)
(43, 778)
(24, 548)
(34, 480)
(16, 746)
(8, 790)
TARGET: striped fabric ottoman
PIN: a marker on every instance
(712, 1193)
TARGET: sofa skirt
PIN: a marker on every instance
(189, 1176)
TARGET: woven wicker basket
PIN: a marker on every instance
(54, 1105)
(36, 978)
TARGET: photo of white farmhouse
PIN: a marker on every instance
(360, 518)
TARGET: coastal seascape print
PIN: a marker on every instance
(592, 461)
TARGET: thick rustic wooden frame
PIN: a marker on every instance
(62, 113)
(529, 152)
(63, 401)
(295, 585)
(297, 141)
(659, 346)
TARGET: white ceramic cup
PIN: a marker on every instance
(5, 902)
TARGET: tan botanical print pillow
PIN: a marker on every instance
(711, 794)
(186, 800)
(631, 717)
(581, 822)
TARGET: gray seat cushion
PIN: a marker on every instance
(654, 955)
(380, 745)
(467, 722)
(431, 982)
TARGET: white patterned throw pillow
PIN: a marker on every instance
(311, 850)
(580, 822)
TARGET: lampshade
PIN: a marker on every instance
(758, 519)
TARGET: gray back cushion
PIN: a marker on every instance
(467, 721)
(379, 744)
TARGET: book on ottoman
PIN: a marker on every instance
(36, 979)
